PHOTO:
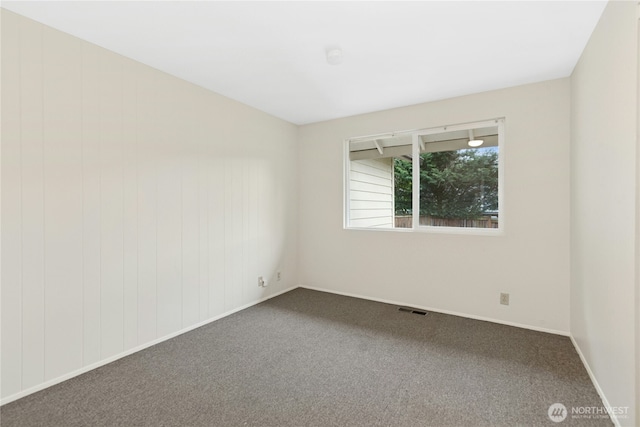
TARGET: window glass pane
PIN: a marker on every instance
(459, 184)
(372, 176)
(457, 178)
(403, 191)
(371, 195)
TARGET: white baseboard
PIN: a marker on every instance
(108, 360)
(605, 402)
(437, 310)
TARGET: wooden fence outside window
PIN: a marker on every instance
(483, 222)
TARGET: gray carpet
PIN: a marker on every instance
(310, 358)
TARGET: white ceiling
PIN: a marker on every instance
(271, 55)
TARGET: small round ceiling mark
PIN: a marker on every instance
(334, 56)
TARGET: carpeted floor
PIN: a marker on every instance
(310, 358)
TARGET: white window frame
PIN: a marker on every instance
(415, 135)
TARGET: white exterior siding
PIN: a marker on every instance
(371, 193)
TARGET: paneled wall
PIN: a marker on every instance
(134, 204)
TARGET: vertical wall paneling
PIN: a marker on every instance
(229, 248)
(234, 235)
(147, 130)
(111, 205)
(246, 243)
(91, 195)
(238, 196)
(219, 268)
(130, 204)
(266, 197)
(271, 251)
(190, 213)
(263, 200)
(63, 203)
(202, 154)
(253, 212)
(32, 185)
(281, 214)
(169, 226)
(12, 351)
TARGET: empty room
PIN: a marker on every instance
(320, 213)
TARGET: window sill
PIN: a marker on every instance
(493, 232)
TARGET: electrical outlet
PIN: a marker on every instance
(278, 276)
(504, 299)
(261, 282)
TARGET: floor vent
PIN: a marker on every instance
(412, 310)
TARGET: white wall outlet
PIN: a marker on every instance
(504, 298)
(278, 276)
(261, 282)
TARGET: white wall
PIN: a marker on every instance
(134, 204)
(371, 193)
(604, 91)
(452, 272)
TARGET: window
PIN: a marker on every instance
(445, 178)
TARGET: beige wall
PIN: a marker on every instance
(134, 205)
(604, 90)
(452, 272)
